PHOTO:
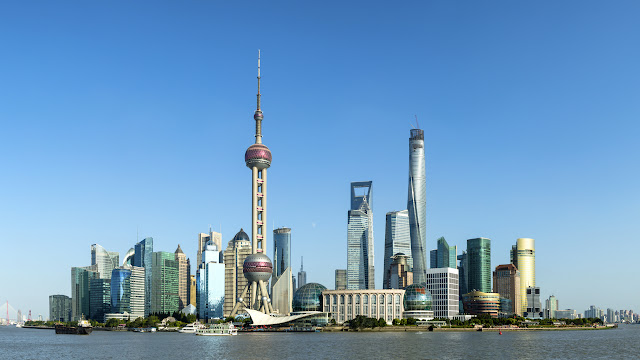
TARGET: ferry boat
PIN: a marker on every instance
(218, 330)
(84, 328)
(191, 328)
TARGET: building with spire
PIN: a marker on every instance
(234, 281)
(302, 275)
(360, 266)
(417, 205)
(257, 267)
(183, 277)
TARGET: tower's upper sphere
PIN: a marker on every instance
(257, 267)
(258, 115)
(258, 155)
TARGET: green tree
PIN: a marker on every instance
(382, 322)
(395, 322)
(411, 321)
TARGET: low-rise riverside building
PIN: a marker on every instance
(345, 305)
(481, 303)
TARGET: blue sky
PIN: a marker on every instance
(119, 117)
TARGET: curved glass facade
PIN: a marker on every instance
(417, 297)
(104, 260)
(417, 205)
(281, 251)
(308, 297)
(523, 256)
(120, 291)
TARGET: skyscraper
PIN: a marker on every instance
(183, 277)
(281, 251)
(506, 282)
(417, 205)
(400, 275)
(444, 256)
(203, 238)
(104, 260)
(164, 282)
(127, 291)
(360, 266)
(463, 276)
(553, 305)
(210, 282)
(80, 284)
(192, 290)
(100, 298)
(257, 267)
(302, 275)
(396, 240)
(59, 308)
(479, 260)
(341, 279)
(523, 256)
(143, 258)
(234, 281)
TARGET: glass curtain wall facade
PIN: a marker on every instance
(417, 205)
(210, 280)
(396, 240)
(360, 259)
(523, 256)
(281, 251)
(142, 258)
(444, 256)
(137, 296)
(59, 308)
(203, 238)
(164, 283)
(282, 292)
(80, 285)
(100, 295)
(121, 291)
(341, 279)
(104, 260)
(479, 262)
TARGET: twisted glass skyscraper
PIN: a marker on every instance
(416, 204)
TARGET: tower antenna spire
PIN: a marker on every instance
(417, 124)
(258, 114)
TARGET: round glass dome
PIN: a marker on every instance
(417, 297)
(308, 297)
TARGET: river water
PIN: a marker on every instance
(621, 343)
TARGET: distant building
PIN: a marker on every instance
(302, 275)
(142, 257)
(396, 240)
(183, 277)
(234, 281)
(481, 303)
(444, 256)
(192, 290)
(360, 259)
(552, 305)
(400, 275)
(341, 279)
(59, 308)
(479, 262)
(506, 282)
(463, 276)
(104, 260)
(100, 298)
(523, 256)
(534, 307)
(80, 285)
(164, 283)
(127, 292)
(443, 285)
(203, 238)
(593, 312)
(345, 305)
(566, 314)
(611, 317)
(210, 279)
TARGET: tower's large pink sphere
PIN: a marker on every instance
(257, 267)
(258, 155)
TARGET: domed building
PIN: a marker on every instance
(308, 299)
(417, 303)
(238, 249)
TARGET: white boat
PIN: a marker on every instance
(218, 330)
(191, 328)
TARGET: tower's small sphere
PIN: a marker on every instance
(258, 155)
(257, 267)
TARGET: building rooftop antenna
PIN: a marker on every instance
(417, 124)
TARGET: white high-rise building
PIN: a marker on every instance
(210, 282)
(417, 205)
(360, 267)
(444, 287)
(104, 260)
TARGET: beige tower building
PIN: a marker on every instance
(523, 256)
(234, 281)
(192, 290)
(183, 278)
(216, 237)
(506, 282)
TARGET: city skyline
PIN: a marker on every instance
(117, 150)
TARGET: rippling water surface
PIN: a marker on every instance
(624, 342)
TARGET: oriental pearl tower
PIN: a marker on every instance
(257, 267)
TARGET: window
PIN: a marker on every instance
(357, 299)
(350, 299)
(365, 299)
(397, 299)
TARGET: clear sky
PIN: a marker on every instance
(120, 117)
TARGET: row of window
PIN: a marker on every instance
(350, 299)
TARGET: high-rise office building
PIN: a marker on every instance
(137, 296)
(143, 258)
(210, 282)
(417, 205)
(523, 256)
(534, 306)
(506, 282)
(443, 285)
(104, 260)
(183, 277)
(400, 275)
(128, 257)
(281, 251)
(257, 267)
(203, 238)
(302, 275)
(121, 291)
(444, 256)
(552, 306)
(192, 290)
(234, 281)
(59, 308)
(100, 298)
(164, 282)
(479, 262)
(80, 285)
(463, 275)
(341, 279)
(360, 267)
(396, 240)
